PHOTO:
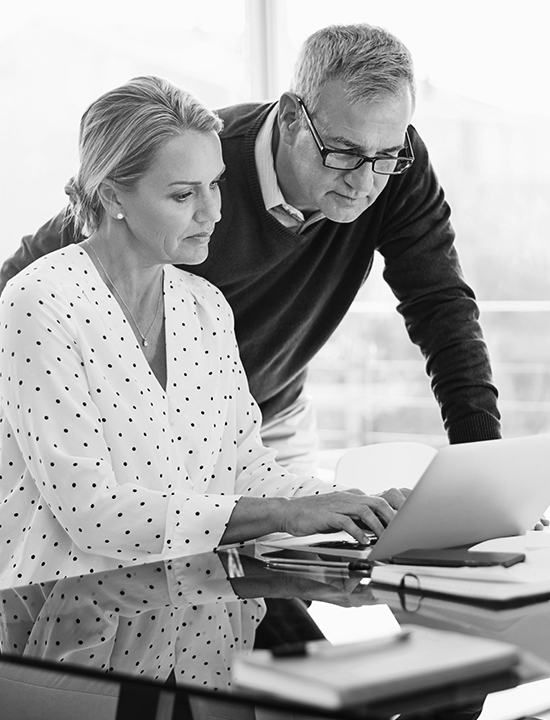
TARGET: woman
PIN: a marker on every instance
(128, 430)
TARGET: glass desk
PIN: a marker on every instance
(85, 647)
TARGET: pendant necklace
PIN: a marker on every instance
(113, 287)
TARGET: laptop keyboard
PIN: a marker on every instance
(346, 544)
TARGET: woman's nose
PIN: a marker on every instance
(209, 209)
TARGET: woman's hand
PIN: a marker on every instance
(344, 590)
(350, 511)
(394, 496)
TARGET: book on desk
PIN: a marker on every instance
(415, 660)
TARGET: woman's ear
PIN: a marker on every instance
(288, 117)
(110, 200)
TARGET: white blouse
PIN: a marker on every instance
(99, 466)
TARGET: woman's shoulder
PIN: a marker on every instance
(196, 285)
(50, 266)
(47, 274)
(200, 292)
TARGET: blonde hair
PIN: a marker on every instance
(121, 132)
(369, 61)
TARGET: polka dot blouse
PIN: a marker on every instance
(100, 467)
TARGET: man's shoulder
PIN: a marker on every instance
(419, 146)
(237, 119)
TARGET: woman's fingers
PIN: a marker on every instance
(377, 514)
(351, 527)
(395, 496)
(382, 508)
(338, 511)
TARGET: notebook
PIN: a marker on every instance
(468, 493)
(495, 586)
(424, 660)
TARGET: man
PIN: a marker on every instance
(316, 183)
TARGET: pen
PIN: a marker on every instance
(289, 565)
(317, 572)
(355, 566)
(323, 648)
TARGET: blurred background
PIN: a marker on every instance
(483, 109)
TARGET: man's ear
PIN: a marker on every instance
(288, 117)
(109, 199)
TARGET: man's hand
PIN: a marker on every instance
(543, 522)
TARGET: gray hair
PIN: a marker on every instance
(120, 134)
(369, 61)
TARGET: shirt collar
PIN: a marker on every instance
(273, 197)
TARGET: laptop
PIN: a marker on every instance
(468, 493)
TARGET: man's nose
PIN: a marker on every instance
(361, 179)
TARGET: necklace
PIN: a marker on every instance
(113, 287)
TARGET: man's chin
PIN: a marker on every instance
(344, 216)
(345, 212)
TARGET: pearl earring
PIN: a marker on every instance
(120, 216)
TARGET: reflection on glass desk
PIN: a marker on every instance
(105, 645)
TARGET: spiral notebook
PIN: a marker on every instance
(495, 586)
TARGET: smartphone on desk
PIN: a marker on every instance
(456, 557)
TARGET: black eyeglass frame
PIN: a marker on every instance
(361, 159)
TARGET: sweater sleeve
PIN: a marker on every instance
(439, 308)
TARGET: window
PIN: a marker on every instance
(57, 56)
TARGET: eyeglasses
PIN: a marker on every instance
(350, 160)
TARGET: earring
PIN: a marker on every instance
(120, 216)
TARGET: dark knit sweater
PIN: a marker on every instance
(289, 292)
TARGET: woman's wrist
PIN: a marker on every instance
(254, 517)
